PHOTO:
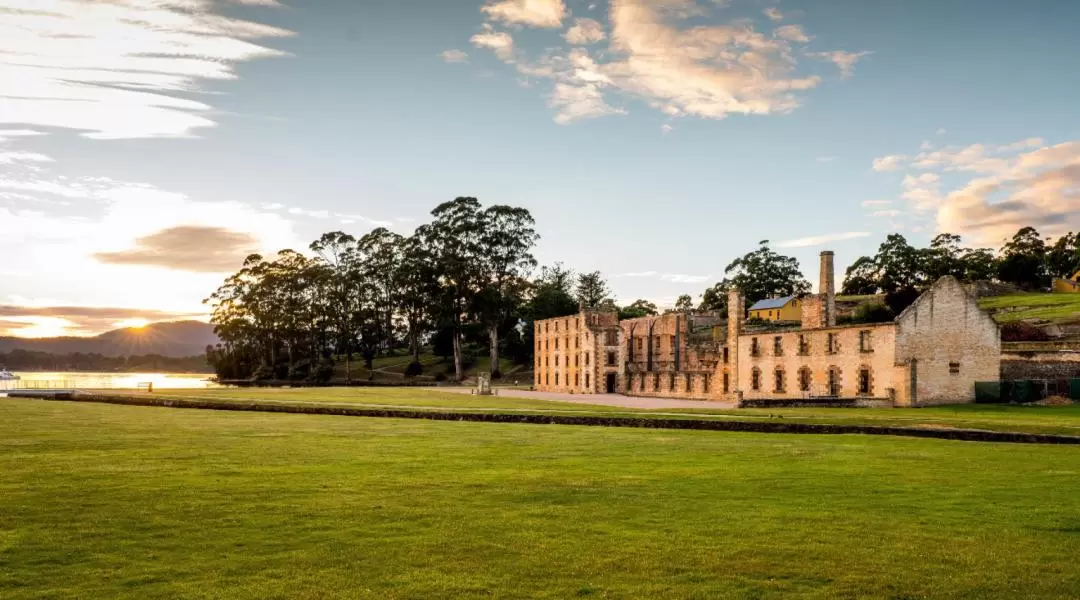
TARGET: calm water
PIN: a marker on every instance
(107, 380)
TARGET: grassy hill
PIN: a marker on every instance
(1055, 308)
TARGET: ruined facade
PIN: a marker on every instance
(933, 353)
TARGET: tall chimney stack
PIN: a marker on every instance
(827, 289)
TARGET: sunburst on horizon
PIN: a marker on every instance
(135, 323)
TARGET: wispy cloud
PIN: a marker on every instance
(585, 31)
(822, 239)
(844, 60)
(454, 56)
(826, 159)
(119, 69)
(659, 54)
(876, 202)
(195, 248)
(532, 13)
(1002, 187)
(774, 14)
(672, 277)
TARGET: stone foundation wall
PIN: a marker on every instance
(1040, 365)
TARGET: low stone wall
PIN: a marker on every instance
(1064, 364)
(755, 426)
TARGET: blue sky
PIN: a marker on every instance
(146, 144)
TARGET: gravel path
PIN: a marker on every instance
(605, 399)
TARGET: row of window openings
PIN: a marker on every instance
(577, 344)
(577, 379)
(611, 338)
(577, 325)
(687, 383)
(611, 360)
(831, 344)
(866, 386)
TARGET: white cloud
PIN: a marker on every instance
(825, 159)
(454, 56)
(666, 128)
(677, 67)
(683, 278)
(888, 163)
(940, 131)
(362, 219)
(639, 274)
(876, 202)
(575, 102)
(1001, 188)
(844, 60)
(314, 214)
(498, 42)
(531, 13)
(585, 31)
(774, 14)
(119, 69)
(822, 239)
(793, 33)
(886, 213)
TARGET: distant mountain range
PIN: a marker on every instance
(176, 339)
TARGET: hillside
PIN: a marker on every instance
(1054, 308)
(174, 339)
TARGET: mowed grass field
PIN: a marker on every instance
(1057, 308)
(101, 501)
(996, 417)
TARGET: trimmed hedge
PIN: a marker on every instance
(970, 435)
(306, 384)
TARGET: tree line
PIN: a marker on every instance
(466, 284)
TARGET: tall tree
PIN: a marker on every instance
(506, 245)
(454, 240)
(765, 274)
(715, 298)
(1023, 260)
(638, 308)
(337, 251)
(1063, 258)
(592, 290)
(418, 292)
(861, 277)
(684, 303)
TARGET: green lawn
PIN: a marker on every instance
(1026, 419)
(1052, 307)
(102, 501)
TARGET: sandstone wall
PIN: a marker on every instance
(846, 359)
(945, 343)
(1040, 365)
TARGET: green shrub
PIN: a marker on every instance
(872, 312)
(414, 369)
(440, 376)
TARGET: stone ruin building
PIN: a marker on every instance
(932, 353)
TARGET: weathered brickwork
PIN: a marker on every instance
(575, 354)
(672, 355)
(933, 353)
(801, 364)
(944, 344)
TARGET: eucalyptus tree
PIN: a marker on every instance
(453, 238)
(417, 292)
(338, 253)
(506, 242)
(764, 273)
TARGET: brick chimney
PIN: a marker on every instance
(827, 289)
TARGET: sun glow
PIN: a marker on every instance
(132, 323)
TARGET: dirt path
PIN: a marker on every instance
(605, 399)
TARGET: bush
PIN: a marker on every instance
(497, 374)
(872, 312)
(1023, 332)
(323, 372)
(756, 322)
(414, 369)
(440, 376)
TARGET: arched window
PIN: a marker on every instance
(755, 379)
(804, 379)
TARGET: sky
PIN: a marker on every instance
(147, 146)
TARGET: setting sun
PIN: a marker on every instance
(132, 323)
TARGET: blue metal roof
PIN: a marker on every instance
(772, 303)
